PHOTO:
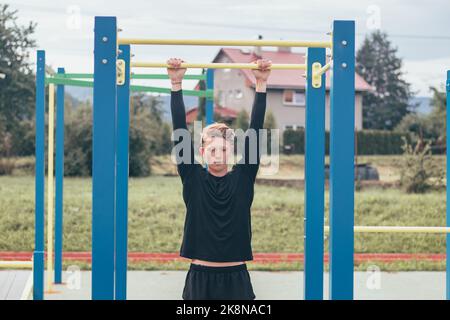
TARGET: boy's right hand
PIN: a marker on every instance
(174, 71)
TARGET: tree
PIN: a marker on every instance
(242, 121)
(149, 136)
(17, 88)
(378, 64)
(269, 123)
(438, 114)
(431, 127)
(201, 110)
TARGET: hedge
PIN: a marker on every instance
(368, 141)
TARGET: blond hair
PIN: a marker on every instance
(217, 129)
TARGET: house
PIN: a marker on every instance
(235, 88)
(227, 115)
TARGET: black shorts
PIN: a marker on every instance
(218, 283)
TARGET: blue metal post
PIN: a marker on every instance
(38, 254)
(103, 158)
(314, 180)
(123, 124)
(59, 180)
(448, 190)
(209, 100)
(342, 126)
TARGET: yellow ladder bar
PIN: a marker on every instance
(16, 264)
(397, 229)
(218, 65)
(205, 42)
(323, 69)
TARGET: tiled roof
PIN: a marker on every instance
(191, 114)
(281, 78)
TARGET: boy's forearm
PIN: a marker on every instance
(178, 110)
(261, 86)
(258, 110)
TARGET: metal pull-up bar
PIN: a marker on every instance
(205, 42)
(397, 229)
(279, 66)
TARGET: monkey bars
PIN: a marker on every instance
(133, 76)
(109, 272)
(206, 42)
(279, 66)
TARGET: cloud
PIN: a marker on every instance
(425, 59)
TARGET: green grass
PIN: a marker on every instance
(156, 215)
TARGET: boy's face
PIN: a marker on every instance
(216, 152)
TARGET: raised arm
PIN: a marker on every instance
(252, 160)
(178, 111)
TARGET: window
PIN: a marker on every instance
(294, 98)
(293, 127)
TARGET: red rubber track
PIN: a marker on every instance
(257, 257)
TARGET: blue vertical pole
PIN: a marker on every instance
(314, 180)
(103, 158)
(38, 254)
(448, 190)
(209, 100)
(342, 125)
(123, 123)
(59, 180)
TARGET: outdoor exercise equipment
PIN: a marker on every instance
(111, 83)
(60, 80)
(108, 97)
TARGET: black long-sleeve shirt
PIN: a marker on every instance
(218, 220)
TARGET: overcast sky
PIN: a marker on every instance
(416, 28)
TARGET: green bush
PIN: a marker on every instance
(149, 136)
(367, 141)
(78, 142)
(296, 139)
(7, 166)
(418, 170)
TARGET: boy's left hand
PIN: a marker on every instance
(263, 71)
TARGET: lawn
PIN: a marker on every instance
(156, 217)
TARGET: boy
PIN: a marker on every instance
(217, 231)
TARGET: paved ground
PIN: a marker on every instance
(12, 283)
(268, 285)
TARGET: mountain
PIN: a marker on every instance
(80, 93)
(189, 102)
(423, 104)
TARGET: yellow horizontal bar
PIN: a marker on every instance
(16, 264)
(278, 66)
(397, 229)
(324, 69)
(205, 42)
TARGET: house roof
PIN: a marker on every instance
(224, 112)
(283, 79)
